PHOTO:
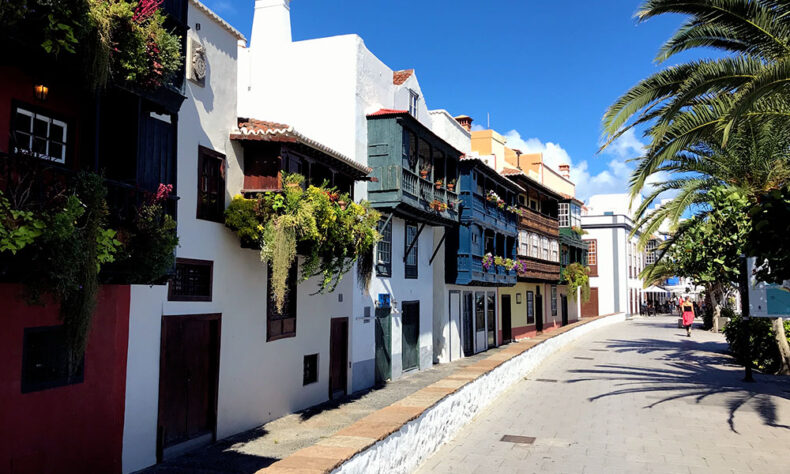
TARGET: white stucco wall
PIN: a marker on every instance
(415, 442)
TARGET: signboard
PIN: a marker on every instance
(767, 300)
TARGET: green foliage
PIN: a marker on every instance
(310, 222)
(770, 235)
(577, 276)
(765, 352)
(119, 39)
(18, 228)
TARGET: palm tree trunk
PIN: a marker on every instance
(784, 347)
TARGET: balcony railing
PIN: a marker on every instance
(538, 269)
(471, 270)
(424, 193)
(534, 220)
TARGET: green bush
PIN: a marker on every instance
(765, 354)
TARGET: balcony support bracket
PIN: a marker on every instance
(444, 235)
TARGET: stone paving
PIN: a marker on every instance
(635, 397)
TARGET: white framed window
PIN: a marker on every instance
(555, 251)
(576, 215)
(545, 248)
(41, 135)
(523, 243)
(414, 99)
(535, 246)
(564, 214)
(650, 252)
(592, 252)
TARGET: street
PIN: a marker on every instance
(636, 397)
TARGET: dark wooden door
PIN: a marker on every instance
(538, 312)
(468, 327)
(156, 152)
(564, 309)
(410, 335)
(590, 308)
(338, 358)
(507, 330)
(383, 345)
(189, 368)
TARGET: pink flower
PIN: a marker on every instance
(163, 192)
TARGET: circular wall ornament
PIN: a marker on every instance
(199, 63)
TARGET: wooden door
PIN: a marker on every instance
(507, 331)
(338, 358)
(538, 312)
(564, 303)
(410, 335)
(491, 319)
(590, 308)
(468, 332)
(189, 368)
(383, 345)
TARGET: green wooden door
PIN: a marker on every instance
(410, 339)
(383, 345)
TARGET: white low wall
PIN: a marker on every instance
(417, 440)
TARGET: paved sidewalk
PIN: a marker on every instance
(301, 431)
(635, 397)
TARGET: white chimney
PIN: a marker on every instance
(271, 24)
(565, 171)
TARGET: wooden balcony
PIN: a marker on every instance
(538, 269)
(532, 220)
(472, 272)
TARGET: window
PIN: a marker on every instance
(535, 246)
(414, 99)
(409, 151)
(384, 250)
(555, 251)
(554, 301)
(41, 135)
(211, 185)
(592, 252)
(523, 242)
(282, 324)
(650, 249)
(533, 204)
(47, 361)
(530, 308)
(564, 216)
(192, 280)
(480, 312)
(545, 248)
(411, 257)
(576, 215)
(310, 369)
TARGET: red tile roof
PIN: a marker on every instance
(399, 77)
(511, 171)
(263, 130)
(388, 112)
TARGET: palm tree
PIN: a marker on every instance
(686, 107)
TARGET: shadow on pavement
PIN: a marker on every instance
(694, 372)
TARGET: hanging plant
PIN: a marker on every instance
(492, 196)
(312, 223)
(577, 276)
(578, 230)
(488, 261)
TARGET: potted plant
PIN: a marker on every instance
(425, 171)
(451, 185)
(438, 184)
(488, 261)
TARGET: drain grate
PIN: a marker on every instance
(518, 439)
(584, 358)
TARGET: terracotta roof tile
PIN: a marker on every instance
(511, 171)
(263, 130)
(388, 112)
(399, 77)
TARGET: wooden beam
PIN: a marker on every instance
(438, 247)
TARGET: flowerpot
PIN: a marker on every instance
(342, 205)
(438, 186)
(423, 174)
(450, 187)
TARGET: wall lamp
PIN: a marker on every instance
(41, 92)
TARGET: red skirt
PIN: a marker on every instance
(688, 318)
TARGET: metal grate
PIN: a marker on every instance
(518, 439)
(192, 280)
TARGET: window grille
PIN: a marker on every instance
(192, 280)
(41, 135)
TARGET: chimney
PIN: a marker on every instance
(465, 121)
(565, 171)
(271, 23)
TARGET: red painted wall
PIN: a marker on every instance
(74, 428)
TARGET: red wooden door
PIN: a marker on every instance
(338, 357)
(189, 365)
(590, 308)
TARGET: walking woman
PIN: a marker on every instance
(688, 315)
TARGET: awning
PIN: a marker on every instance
(656, 290)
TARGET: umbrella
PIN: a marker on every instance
(654, 289)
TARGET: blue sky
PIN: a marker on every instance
(544, 71)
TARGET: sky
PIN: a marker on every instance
(541, 72)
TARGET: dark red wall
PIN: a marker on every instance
(74, 428)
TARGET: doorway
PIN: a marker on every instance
(491, 318)
(188, 379)
(507, 330)
(564, 303)
(468, 332)
(538, 310)
(383, 345)
(338, 358)
(410, 335)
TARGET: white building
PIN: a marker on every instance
(613, 256)
(327, 88)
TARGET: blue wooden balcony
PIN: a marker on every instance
(478, 208)
(471, 272)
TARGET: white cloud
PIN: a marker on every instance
(477, 127)
(613, 179)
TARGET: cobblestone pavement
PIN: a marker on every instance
(635, 397)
